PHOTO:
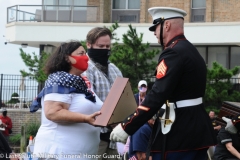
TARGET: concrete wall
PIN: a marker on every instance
(197, 33)
(21, 117)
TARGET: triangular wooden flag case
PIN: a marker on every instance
(119, 103)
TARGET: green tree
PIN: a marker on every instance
(35, 64)
(14, 100)
(134, 58)
(84, 44)
(113, 28)
(219, 87)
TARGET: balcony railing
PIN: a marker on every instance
(53, 13)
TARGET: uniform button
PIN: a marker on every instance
(135, 114)
(238, 117)
(123, 124)
(233, 120)
(128, 118)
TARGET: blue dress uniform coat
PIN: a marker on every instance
(180, 75)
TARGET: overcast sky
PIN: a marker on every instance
(10, 60)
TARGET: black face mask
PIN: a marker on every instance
(99, 55)
(4, 113)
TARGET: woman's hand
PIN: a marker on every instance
(91, 118)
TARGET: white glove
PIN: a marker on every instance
(230, 127)
(118, 134)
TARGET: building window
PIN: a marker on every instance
(67, 11)
(80, 3)
(50, 2)
(126, 4)
(235, 56)
(64, 2)
(218, 54)
(198, 11)
(202, 51)
(126, 11)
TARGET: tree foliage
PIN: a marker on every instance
(35, 64)
(219, 87)
(133, 57)
(14, 100)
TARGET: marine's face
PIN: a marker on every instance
(157, 33)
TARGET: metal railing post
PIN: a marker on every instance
(71, 13)
(1, 91)
(16, 13)
(23, 16)
(57, 13)
(43, 9)
(7, 15)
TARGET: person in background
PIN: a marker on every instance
(139, 97)
(180, 79)
(102, 74)
(6, 151)
(139, 141)
(216, 126)
(228, 146)
(69, 107)
(6, 123)
(142, 88)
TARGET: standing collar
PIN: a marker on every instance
(174, 39)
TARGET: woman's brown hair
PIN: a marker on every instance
(58, 61)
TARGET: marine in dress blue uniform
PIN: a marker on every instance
(181, 79)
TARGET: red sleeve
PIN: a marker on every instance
(9, 123)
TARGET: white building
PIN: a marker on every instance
(46, 27)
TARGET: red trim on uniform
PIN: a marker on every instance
(137, 113)
(236, 122)
(130, 120)
(143, 108)
(161, 69)
(175, 42)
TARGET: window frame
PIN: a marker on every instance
(126, 6)
(197, 7)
